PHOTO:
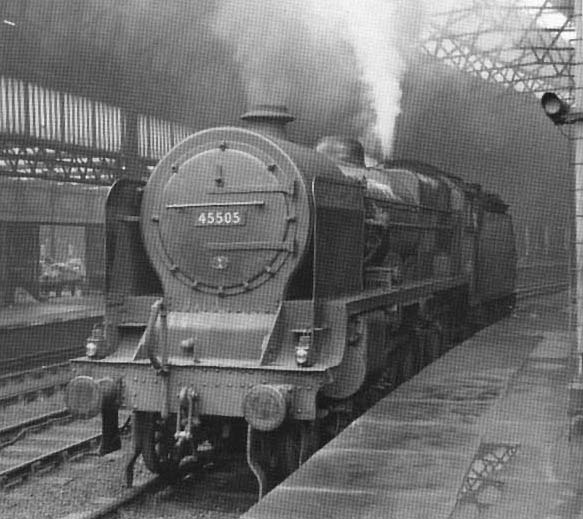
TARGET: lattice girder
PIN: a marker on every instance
(38, 161)
(523, 45)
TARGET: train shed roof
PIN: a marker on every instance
(525, 45)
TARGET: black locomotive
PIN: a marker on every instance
(253, 281)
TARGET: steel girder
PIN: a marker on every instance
(522, 44)
(38, 160)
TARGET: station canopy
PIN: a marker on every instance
(526, 45)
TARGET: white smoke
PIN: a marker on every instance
(382, 34)
(325, 57)
(341, 62)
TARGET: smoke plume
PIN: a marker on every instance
(325, 57)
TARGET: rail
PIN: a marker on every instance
(32, 383)
(40, 444)
(12, 433)
(155, 484)
(16, 474)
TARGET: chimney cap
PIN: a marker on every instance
(268, 112)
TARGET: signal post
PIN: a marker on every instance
(560, 113)
(578, 171)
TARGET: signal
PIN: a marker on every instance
(558, 111)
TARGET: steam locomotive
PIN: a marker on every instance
(257, 284)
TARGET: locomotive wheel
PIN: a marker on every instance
(156, 440)
(299, 440)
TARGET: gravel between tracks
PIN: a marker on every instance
(82, 485)
(190, 499)
(74, 487)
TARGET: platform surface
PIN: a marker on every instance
(60, 309)
(481, 433)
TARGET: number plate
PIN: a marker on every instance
(219, 218)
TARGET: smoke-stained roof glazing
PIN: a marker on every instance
(523, 44)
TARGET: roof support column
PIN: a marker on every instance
(576, 387)
(578, 171)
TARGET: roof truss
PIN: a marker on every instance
(522, 44)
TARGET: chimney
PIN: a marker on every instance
(268, 119)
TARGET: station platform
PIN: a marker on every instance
(54, 310)
(483, 432)
(44, 333)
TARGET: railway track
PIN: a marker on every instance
(208, 493)
(57, 356)
(14, 432)
(155, 484)
(41, 444)
(223, 489)
(27, 385)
